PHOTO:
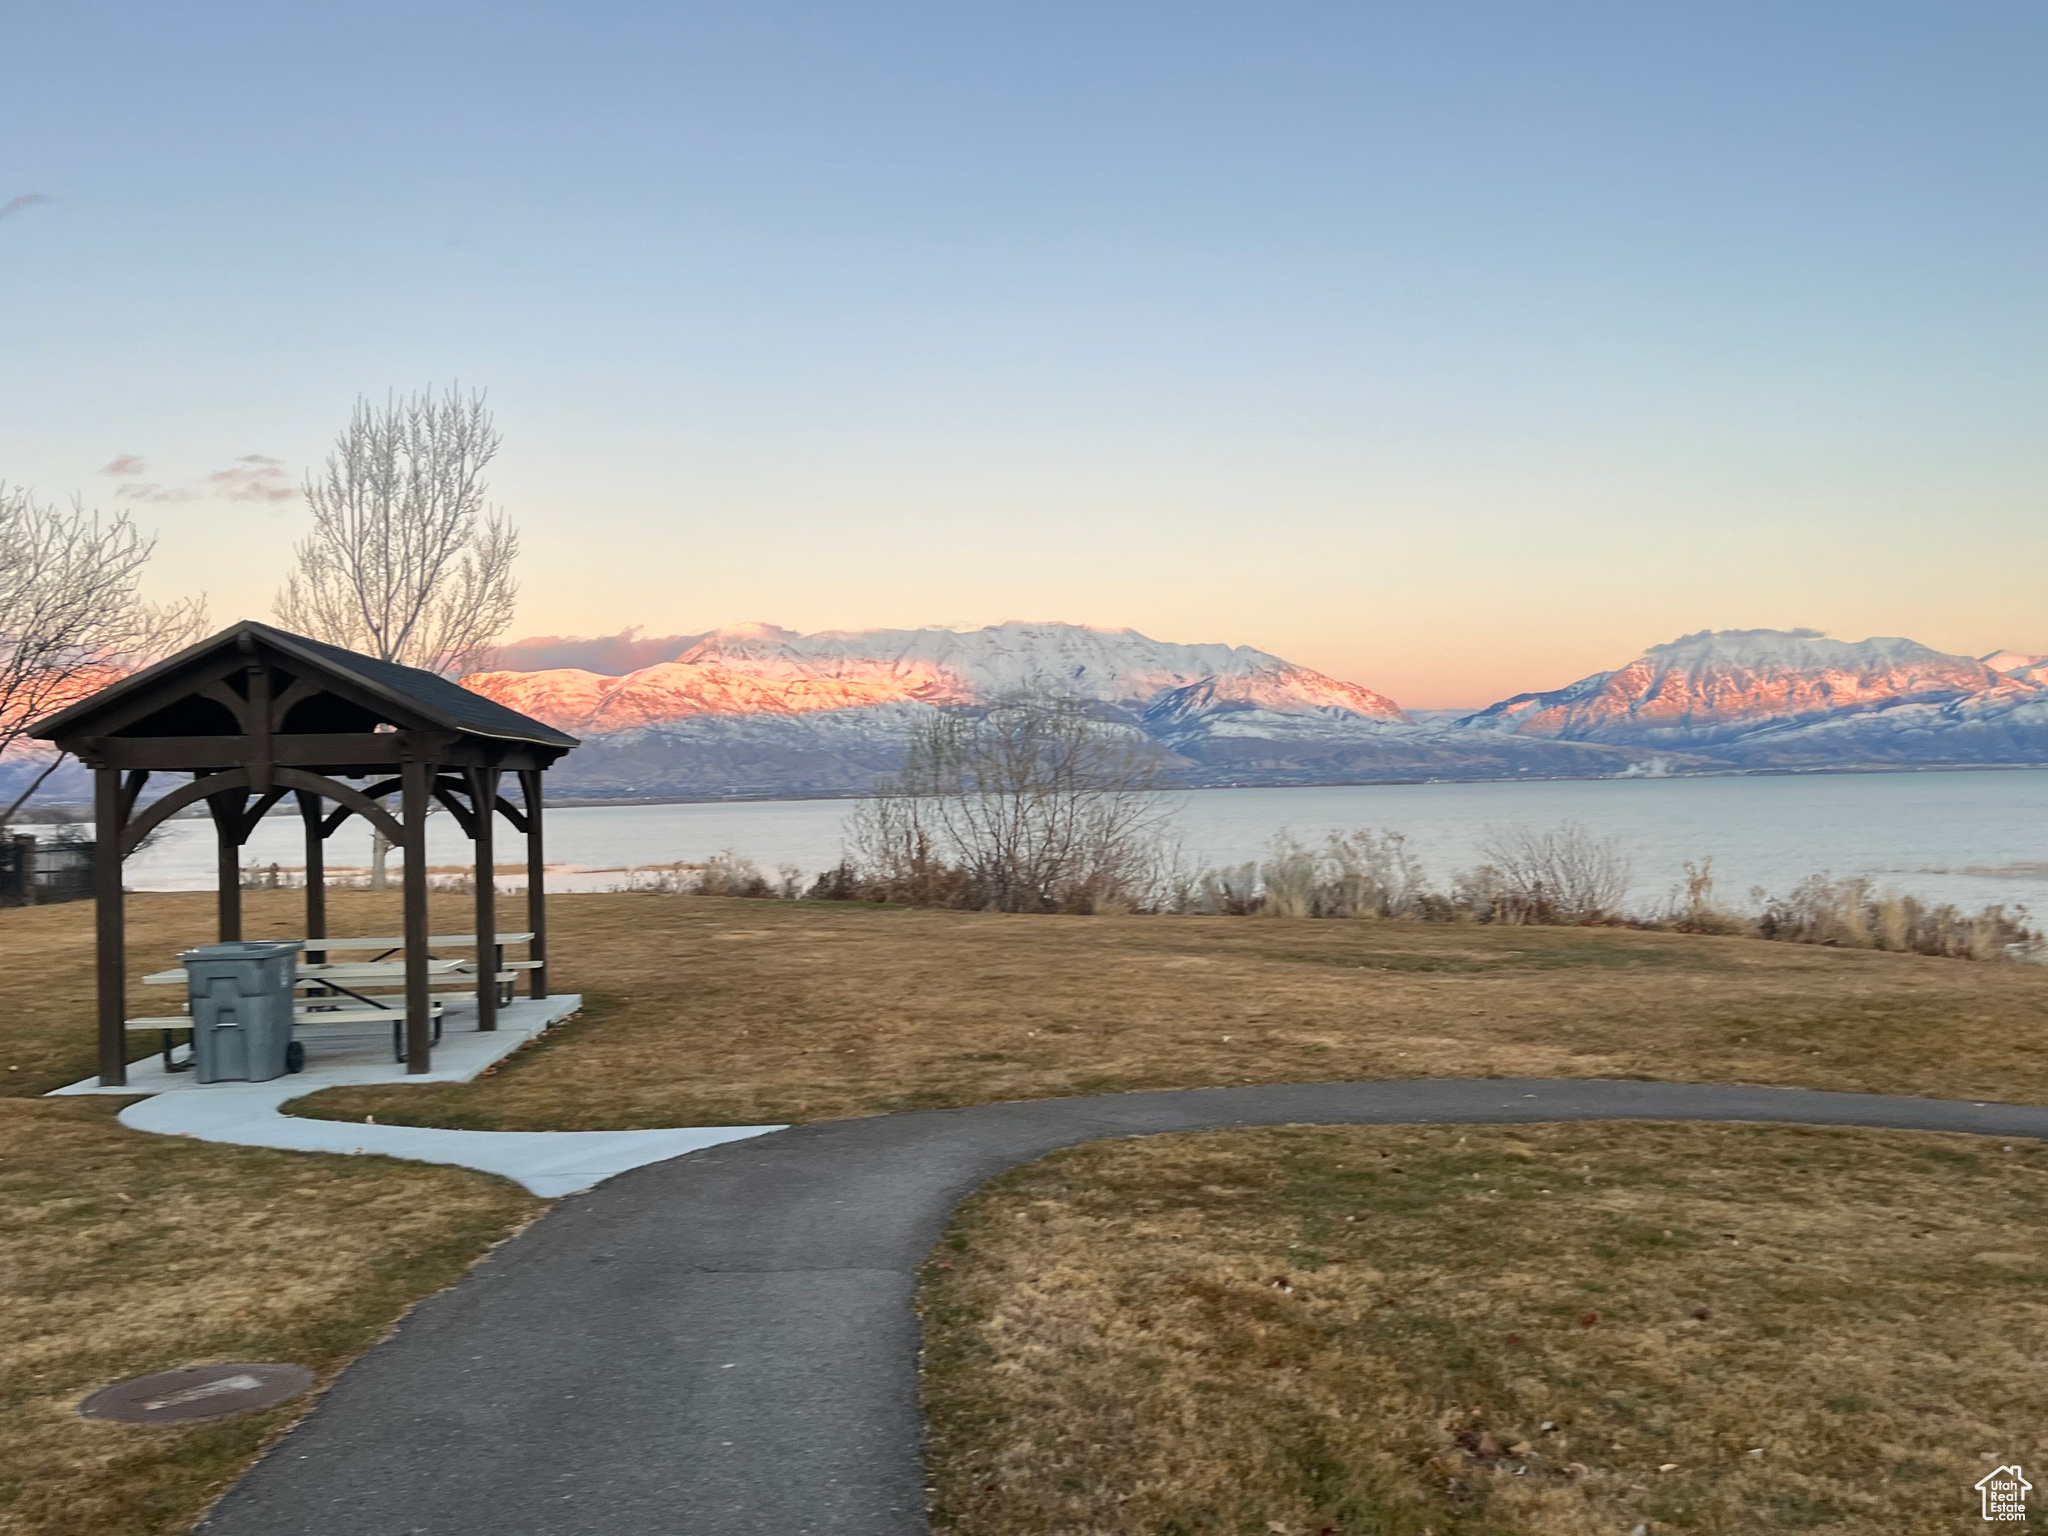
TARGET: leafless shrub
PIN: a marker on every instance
(1562, 875)
(725, 873)
(1033, 804)
(1853, 914)
(1359, 874)
(1693, 909)
(1232, 891)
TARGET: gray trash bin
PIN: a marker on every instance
(242, 1010)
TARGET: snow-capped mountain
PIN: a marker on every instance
(2027, 669)
(757, 709)
(761, 669)
(762, 711)
(1698, 688)
(754, 709)
(1795, 698)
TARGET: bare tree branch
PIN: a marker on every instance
(70, 619)
(404, 561)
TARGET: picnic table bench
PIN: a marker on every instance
(366, 983)
(302, 1017)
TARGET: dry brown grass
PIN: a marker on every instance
(122, 1254)
(1335, 1332)
(709, 1010)
(705, 1010)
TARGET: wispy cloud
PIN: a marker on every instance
(14, 205)
(254, 477)
(151, 491)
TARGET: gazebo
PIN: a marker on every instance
(255, 714)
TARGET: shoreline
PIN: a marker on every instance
(1864, 770)
(580, 802)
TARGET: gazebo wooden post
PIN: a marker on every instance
(110, 925)
(483, 799)
(316, 874)
(227, 830)
(536, 885)
(415, 779)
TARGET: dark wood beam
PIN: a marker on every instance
(253, 817)
(256, 723)
(166, 691)
(227, 810)
(341, 753)
(351, 797)
(536, 885)
(301, 689)
(483, 793)
(316, 874)
(131, 790)
(375, 751)
(465, 816)
(419, 1040)
(176, 801)
(110, 928)
(221, 694)
(373, 792)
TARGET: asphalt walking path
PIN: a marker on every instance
(724, 1343)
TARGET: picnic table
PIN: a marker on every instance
(366, 983)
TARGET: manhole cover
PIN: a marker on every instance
(197, 1392)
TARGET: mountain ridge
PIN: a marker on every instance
(758, 709)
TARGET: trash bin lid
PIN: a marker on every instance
(244, 949)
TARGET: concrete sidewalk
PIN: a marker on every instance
(549, 1163)
(724, 1345)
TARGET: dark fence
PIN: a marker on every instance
(35, 873)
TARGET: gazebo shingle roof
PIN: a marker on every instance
(446, 703)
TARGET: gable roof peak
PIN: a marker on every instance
(436, 700)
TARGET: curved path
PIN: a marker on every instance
(724, 1343)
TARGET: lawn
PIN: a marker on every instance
(122, 1254)
(126, 1253)
(1544, 1331)
(711, 1011)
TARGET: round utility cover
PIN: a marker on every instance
(195, 1392)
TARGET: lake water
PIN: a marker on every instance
(1970, 838)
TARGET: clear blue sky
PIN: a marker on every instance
(1453, 348)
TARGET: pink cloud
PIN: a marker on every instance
(151, 491)
(254, 477)
(125, 464)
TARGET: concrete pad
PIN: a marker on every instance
(549, 1163)
(348, 1054)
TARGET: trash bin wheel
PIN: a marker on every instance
(295, 1057)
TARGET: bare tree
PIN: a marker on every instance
(405, 562)
(1030, 805)
(70, 617)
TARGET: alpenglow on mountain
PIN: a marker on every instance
(761, 711)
